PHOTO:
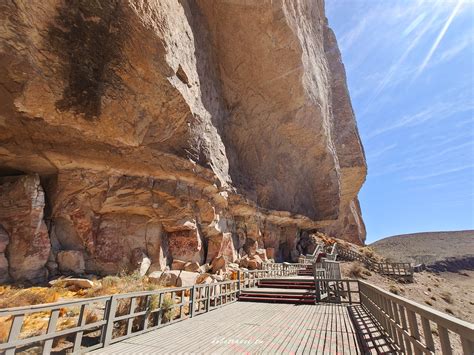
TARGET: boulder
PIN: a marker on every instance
(192, 267)
(187, 278)
(270, 253)
(144, 266)
(71, 261)
(250, 246)
(155, 276)
(221, 244)
(140, 261)
(4, 275)
(178, 264)
(255, 263)
(186, 245)
(204, 279)
(218, 264)
(52, 267)
(21, 216)
(244, 262)
(262, 253)
(205, 268)
(76, 282)
(4, 240)
(164, 278)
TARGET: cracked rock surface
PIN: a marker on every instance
(187, 129)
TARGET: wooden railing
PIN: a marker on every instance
(106, 320)
(332, 268)
(404, 270)
(285, 269)
(337, 291)
(309, 259)
(93, 323)
(415, 328)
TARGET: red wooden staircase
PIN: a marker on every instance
(297, 289)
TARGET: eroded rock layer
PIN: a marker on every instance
(190, 130)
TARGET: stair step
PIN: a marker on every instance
(276, 295)
(295, 287)
(311, 284)
(276, 300)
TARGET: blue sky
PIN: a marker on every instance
(410, 74)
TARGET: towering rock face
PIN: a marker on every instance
(187, 129)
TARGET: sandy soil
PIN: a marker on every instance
(448, 292)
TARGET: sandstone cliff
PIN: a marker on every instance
(184, 129)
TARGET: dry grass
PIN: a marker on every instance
(447, 297)
(357, 271)
(16, 297)
(395, 289)
(168, 312)
(36, 323)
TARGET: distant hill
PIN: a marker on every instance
(442, 250)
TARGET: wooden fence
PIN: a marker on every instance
(414, 328)
(97, 322)
(404, 270)
(93, 323)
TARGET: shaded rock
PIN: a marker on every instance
(21, 215)
(178, 264)
(218, 264)
(205, 268)
(192, 267)
(244, 262)
(270, 253)
(221, 245)
(250, 247)
(52, 267)
(4, 240)
(164, 278)
(255, 263)
(4, 276)
(262, 253)
(71, 261)
(140, 261)
(186, 245)
(204, 279)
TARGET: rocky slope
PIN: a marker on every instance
(185, 130)
(442, 251)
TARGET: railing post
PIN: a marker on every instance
(109, 326)
(15, 330)
(238, 281)
(192, 301)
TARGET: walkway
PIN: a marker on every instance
(248, 327)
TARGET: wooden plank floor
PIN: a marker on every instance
(257, 328)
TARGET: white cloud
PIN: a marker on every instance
(374, 154)
(439, 37)
(438, 173)
(436, 112)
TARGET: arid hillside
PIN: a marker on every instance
(442, 250)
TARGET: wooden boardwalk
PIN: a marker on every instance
(248, 327)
